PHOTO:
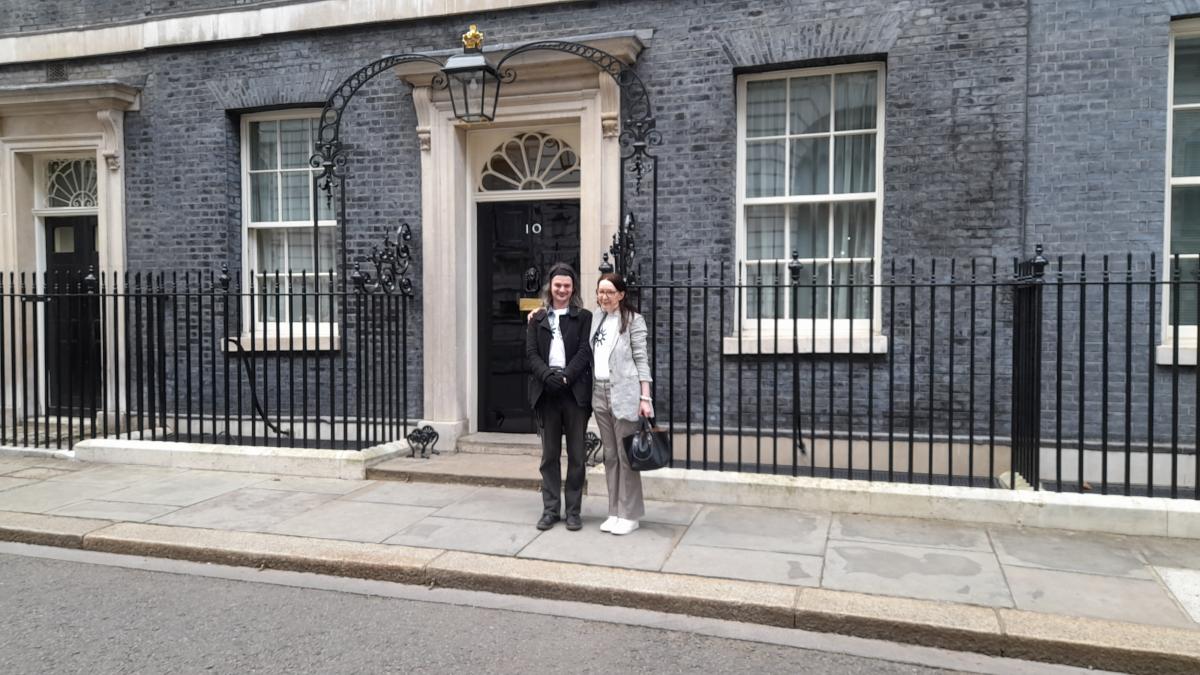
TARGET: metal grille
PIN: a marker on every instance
(56, 72)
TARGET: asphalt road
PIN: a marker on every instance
(63, 616)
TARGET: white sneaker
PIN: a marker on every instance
(607, 525)
(624, 526)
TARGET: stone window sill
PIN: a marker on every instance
(1165, 354)
(284, 343)
(751, 344)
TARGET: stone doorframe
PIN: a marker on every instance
(552, 88)
(70, 119)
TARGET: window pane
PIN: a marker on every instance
(296, 188)
(810, 230)
(854, 163)
(264, 204)
(809, 104)
(269, 306)
(810, 166)
(812, 291)
(263, 145)
(764, 233)
(1187, 70)
(1185, 220)
(295, 144)
(855, 100)
(1185, 155)
(764, 277)
(764, 169)
(766, 108)
(271, 251)
(853, 230)
(852, 290)
(1183, 296)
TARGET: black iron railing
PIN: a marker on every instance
(278, 359)
(1060, 374)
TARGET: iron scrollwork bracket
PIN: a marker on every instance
(620, 255)
(422, 440)
(391, 261)
(638, 132)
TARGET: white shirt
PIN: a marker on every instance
(602, 344)
(558, 351)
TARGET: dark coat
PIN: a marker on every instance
(576, 325)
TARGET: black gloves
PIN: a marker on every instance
(554, 381)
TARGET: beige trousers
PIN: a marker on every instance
(624, 484)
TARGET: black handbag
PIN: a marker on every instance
(649, 448)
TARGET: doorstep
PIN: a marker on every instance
(517, 471)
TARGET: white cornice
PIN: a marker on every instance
(236, 24)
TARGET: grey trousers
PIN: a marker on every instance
(624, 484)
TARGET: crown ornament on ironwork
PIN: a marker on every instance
(472, 39)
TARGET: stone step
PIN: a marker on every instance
(490, 443)
(492, 470)
(520, 472)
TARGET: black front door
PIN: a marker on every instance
(72, 317)
(518, 242)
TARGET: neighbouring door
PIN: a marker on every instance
(72, 317)
(518, 242)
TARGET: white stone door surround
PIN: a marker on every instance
(40, 122)
(552, 89)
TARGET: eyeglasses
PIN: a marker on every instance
(606, 292)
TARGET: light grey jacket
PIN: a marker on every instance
(628, 365)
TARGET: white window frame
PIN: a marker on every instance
(1187, 333)
(848, 335)
(319, 334)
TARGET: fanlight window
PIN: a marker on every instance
(70, 183)
(530, 161)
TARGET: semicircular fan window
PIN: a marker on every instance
(530, 161)
(71, 183)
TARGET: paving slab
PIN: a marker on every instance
(6, 482)
(1096, 643)
(1095, 596)
(187, 488)
(122, 511)
(647, 548)
(39, 473)
(733, 600)
(730, 563)
(44, 530)
(670, 513)
(435, 495)
(507, 506)
(478, 536)
(1184, 584)
(11, 464)
(353, 521)
(330, 486)
(1069, 551)
(117, 475)
(255, 549)
(969, 577)
(759, 529)
(49, 495)
(247, 509)
(909, 532)
(1182, 553)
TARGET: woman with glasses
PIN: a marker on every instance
(620, 396)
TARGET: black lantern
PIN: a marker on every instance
(474, 84)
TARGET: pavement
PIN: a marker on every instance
(1112, 602)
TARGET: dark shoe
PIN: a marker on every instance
(574, 523)
(547, 521)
